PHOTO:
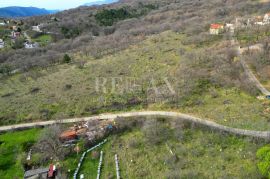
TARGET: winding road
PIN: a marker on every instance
(177, 115)
(253, 78)
(248, 71)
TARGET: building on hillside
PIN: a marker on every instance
(68, 135)
(36, 28)
(30, 45)
(243, 22)
(54, 19)
(266, 18)
(40, 173)
(259, 20)
(15, 34)
(216, 29)
(2, 43)
(15, 28)
(229, 27)
(259, 23)
(2, 23)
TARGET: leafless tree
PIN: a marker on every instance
(49, 144)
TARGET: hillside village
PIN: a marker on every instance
(14, 34)
(216, 29)
(14, 27)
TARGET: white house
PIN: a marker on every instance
(36, 28)
(260, 23)
(29, 45)
(266, 18)
(2, 43)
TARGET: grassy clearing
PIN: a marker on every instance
(229, 107)
(65, 91)
(52, 100)
(89, 167)
(43, 40)
(198, 154)
(233, 108)
(14, 146)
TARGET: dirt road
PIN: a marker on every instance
(180, 116)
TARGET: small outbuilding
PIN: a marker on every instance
(266, 18)
(68, 135)
(216, 29)
(2, 43)
(29, 45)
(52, 171)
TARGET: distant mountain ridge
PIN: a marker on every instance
(16, 11)
(100, 2)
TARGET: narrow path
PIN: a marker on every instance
(28, 38)
(253, 78)
(240, 51)
(180, 116)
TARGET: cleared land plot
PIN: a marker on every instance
(65, 91)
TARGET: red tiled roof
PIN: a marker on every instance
(216, 26)
(68, 135)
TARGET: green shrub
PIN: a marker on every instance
(5, 69)
(70, 32)
(107, 17)
(36, 159)
(66, 58)
(263, 154)
(27, 145)
(19, 43)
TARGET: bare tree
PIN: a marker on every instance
(49, 144)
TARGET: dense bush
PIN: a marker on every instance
(263, 154)
(107, 17)
(19, 43)
(66, 58)
(5, 69)
(70, 32)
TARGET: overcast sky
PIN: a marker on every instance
(48, 4)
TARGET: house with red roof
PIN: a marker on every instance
(216, 29)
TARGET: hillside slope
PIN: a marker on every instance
(79, 30)
(166, 41)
